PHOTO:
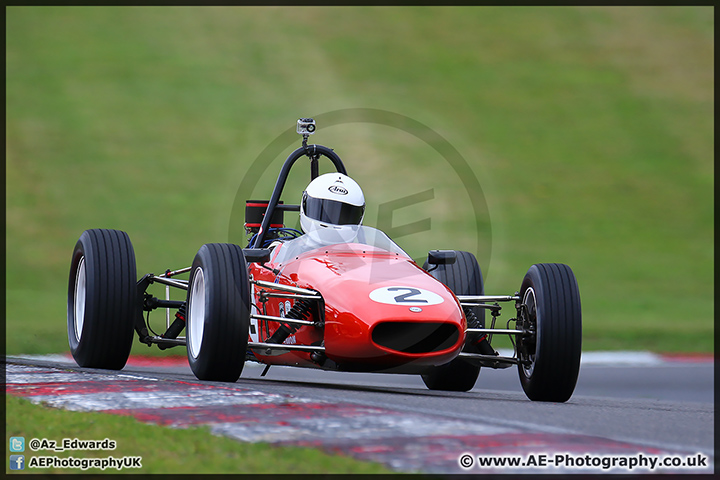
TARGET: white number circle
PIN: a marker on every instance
(410, 296)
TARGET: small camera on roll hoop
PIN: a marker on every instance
(305, 126)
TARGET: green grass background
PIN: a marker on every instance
(589, 129)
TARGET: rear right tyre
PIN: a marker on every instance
(102, 299)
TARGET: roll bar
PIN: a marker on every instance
(312, 151)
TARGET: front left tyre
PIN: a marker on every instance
(102, 299)
(218, 316)
(549, 349)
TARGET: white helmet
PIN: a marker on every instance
(332, 208)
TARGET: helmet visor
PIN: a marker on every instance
(332, 211)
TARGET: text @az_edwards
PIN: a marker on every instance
(37, 444)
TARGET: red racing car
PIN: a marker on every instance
(337, 296)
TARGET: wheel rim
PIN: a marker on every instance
(79, 299)
(530, 301)
(196, 313)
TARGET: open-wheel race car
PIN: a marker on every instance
(337, 296)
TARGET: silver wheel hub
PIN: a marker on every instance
(196, 313)
(79, 300)
(530, 300)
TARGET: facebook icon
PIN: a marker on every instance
(17, 462)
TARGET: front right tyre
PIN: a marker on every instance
(218, 316)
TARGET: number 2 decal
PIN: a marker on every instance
(407, 297)
(401, 295)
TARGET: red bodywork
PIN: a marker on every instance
(412, 322)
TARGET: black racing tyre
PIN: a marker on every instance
(551, 317)
(218, 312)
(464, 278)
(102, 299)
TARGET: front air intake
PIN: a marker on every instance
(415, 337)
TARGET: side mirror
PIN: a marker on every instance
(259, 255)
(442, 257)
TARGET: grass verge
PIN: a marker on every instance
(165, 450)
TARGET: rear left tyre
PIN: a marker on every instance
(102, 299)
(218, 316)
(464, 278)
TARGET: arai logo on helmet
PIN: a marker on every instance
(338, 189)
